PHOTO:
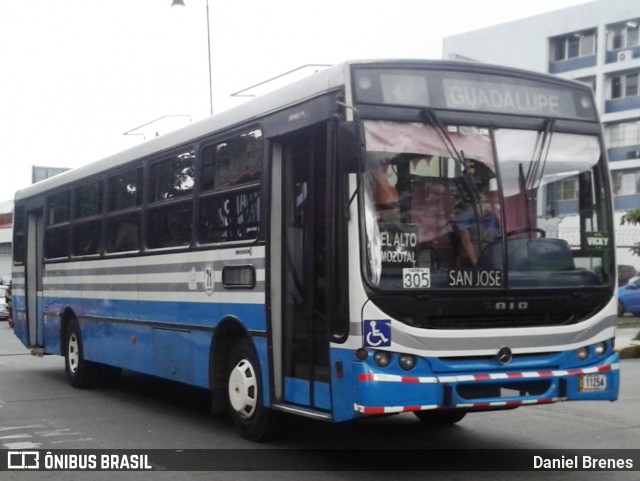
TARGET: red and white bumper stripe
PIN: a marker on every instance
(406, 409)
(377, 377)
(392, 378)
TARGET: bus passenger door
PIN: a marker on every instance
(33, 281)
(300, 314)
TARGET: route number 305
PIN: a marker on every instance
(416, 278)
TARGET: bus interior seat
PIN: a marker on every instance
(529, 255)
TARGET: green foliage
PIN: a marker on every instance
(631, 217)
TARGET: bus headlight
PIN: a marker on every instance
(601, 348)
(407, 361)
(382, 358)
(583, 353)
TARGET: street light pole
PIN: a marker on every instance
(209, 61)
(180, 3)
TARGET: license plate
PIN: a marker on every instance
(593, 382)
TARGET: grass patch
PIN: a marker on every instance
(628, 321)
(631, 352)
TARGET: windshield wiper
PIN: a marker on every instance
(458, 157)
(535, 172)
(540, 154)
(431, 117)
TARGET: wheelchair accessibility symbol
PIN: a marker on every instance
(377, 333)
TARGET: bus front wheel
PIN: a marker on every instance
(251, 418)
(79, 371)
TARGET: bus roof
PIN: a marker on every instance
(323, 81)
(328, 79)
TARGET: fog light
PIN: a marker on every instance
(361, 354)
(407, 362)
(601, 348)
(583, 353)
(382, 358)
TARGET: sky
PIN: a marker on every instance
(75, 75)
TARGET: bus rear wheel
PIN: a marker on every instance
(251, 418)
(79, 371)
(440, 418)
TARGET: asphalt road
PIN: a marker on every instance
(39, 410)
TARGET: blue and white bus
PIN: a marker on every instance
(381, 237)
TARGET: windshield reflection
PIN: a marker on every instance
(442, 211)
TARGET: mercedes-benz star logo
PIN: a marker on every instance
(504, 355)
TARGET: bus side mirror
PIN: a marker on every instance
(349, 151)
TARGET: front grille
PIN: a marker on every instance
(492, 310)
(484, 322)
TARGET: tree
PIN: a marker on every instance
(633, 218)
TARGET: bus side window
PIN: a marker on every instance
(86, 231)
(169, 226)
(123, 233)
(56, 243)
(169, 218)
(124, 192)
(229, 205)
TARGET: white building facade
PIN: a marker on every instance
(597, 43)
(6, 233)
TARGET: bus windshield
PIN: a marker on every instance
(449, 207)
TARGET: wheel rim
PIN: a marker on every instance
(243, 389)
(73, 352)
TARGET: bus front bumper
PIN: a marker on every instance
(380, 393)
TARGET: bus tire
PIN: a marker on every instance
(81, 373)
(251, 418)
(440, 418)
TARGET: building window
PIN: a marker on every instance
(624, 35)
(623, 134)
(568, 189)
(626, 182)
(624, 86)
(5, 248)
(631, 85)
(563, 190)
(574, 45)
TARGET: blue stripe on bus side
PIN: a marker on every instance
(184, 315)
(135, 334)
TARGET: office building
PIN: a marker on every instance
(597, 43)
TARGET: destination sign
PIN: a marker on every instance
(473, 91)
(508, 98)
